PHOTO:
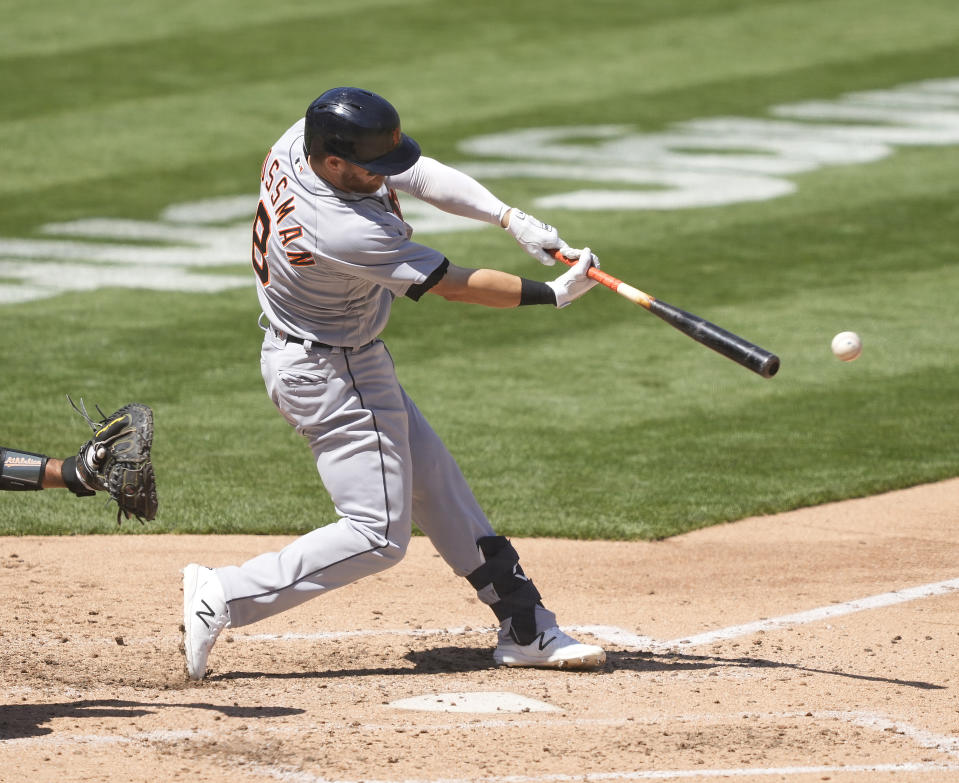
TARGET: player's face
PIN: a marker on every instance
(354, 179)
(359, 180)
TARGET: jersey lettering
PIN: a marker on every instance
(268, 183)
(261, 236)
(285, 209)
(300, 258)
(287, 235)
(282, 185)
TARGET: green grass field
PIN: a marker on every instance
(597, 421)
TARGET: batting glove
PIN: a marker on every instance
(573, 283)
(534, 236)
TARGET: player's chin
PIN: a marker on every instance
(374, 184)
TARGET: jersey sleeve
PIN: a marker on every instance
(381, 252)
(449, 189)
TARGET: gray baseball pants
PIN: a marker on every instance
(383, 466)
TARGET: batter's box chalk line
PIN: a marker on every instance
(924, 740)
(624, 638)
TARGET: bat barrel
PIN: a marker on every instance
(730, 345)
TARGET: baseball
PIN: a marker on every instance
(847, 346)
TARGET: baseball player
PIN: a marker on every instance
(331, 252)
(116, 460)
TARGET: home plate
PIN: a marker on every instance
(489, 701)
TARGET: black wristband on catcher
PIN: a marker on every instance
(21, 470)
(72, 480)
(534, 292)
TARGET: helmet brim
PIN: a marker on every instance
(396, 161)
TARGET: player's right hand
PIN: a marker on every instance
(534, 236)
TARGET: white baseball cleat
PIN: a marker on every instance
(205, 614)
(551, 649)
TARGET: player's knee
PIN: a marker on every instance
(389, 544)
(395, 549)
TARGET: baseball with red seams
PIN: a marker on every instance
(846, 346)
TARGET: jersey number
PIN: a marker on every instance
(261, 235)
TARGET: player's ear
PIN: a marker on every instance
(327, 165)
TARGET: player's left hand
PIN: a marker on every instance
(575, 282)
(534, 236)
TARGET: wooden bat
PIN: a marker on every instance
(730, 345)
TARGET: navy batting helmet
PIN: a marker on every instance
(360, 127)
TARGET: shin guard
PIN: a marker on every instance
(501, 583)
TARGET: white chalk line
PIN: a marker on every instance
(926, 740)
(815, 615)
(607, 633)
(291, 775)
(620, 636)
(334, 635)
(942, 743)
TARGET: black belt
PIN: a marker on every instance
(299, 340)
(290, 338)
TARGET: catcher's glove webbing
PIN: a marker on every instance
(117, 459)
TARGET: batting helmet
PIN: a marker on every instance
(360, 127)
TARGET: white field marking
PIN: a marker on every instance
(291, 775)
(923, 739)
(474, 701)
(617, 636)
(325, 635)
(620, 636)
(159, 736)
(815, 615)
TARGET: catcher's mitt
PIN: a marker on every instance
(117, 459)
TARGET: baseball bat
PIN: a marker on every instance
(730, 345)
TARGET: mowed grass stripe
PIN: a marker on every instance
(599, 421)
(179, 100)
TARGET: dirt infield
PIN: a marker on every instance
(815, 645)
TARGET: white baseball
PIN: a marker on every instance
(847, 346)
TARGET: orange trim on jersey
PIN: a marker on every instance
(287, 235)
(282, 185)
(261, 236)
(300, 258)
(285, 209)
(271, 172)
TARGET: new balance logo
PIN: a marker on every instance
(210, 613)
(539, 640)
(543, 642)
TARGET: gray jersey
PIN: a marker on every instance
(329, 263)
